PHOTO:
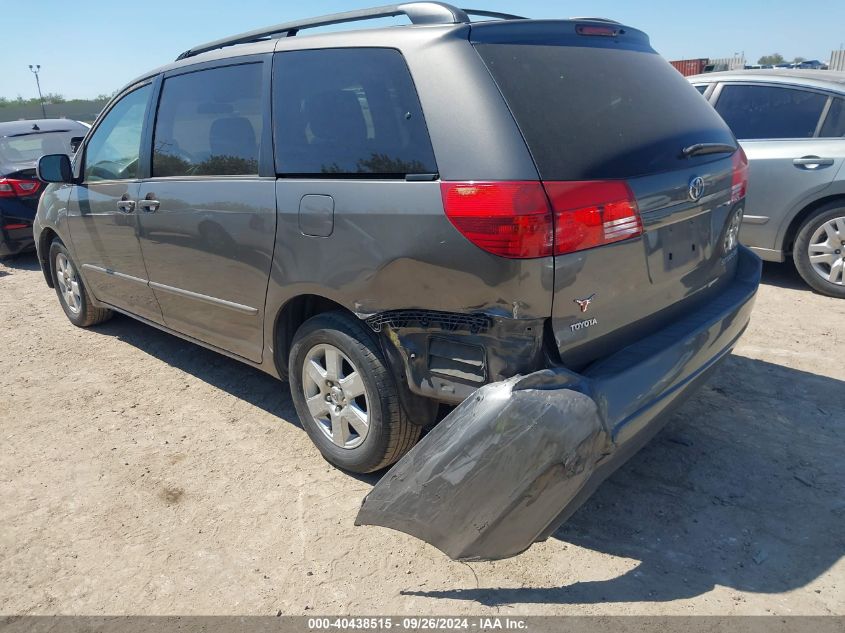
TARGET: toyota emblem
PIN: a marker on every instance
(696, 188)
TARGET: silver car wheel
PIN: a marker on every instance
(336, 396)
(827, 251)
(68, 283)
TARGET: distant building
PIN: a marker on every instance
(700, 65)
(837, 60)
(736, 62)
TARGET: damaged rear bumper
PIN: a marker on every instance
(513, 462)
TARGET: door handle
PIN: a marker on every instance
(150, 204)
(127, 206)
(812, 162)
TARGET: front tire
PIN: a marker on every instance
(73, 296)
(819, 251)
(345, 396)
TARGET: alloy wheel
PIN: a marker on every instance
(68, 283)
(827, 251)
(336, 396)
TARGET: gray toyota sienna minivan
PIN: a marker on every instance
(535, 220)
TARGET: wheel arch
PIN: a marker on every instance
(290, 316)
(788, 241)
(46, 238)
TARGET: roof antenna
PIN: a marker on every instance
(35, 126)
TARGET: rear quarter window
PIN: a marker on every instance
(348, 113)
(759, 112)
(589, 112)
(834, 123)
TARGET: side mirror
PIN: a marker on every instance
(54, 168)
(75, 142)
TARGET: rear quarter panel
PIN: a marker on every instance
(392, 247)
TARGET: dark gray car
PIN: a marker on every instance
(791, 123)
(534, 220)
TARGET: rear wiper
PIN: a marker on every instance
(700, 149)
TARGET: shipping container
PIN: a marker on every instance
(688, 67)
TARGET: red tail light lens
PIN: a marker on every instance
(592, 213)
(511, 219)
(14, 187)
(739, 183)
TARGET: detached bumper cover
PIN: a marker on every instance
(509, 465)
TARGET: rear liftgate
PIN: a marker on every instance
(510, 464)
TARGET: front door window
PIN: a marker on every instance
(113, 151)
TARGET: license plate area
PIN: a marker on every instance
(677, 248)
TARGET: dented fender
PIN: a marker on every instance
(488, 480)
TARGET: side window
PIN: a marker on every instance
(702, 88)
(112, 152)
(209, 123)
(348, 112)
(834, 124)
(770, 112)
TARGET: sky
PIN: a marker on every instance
(92, 47)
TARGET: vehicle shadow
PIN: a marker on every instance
(783, 275)
(743, 488)
(234, 377)
(24, 261)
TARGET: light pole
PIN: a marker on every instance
(35, 70)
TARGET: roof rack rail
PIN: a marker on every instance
(417, 12)
(494, 14)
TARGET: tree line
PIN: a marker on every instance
(776, 58)
(55, 106)
(49, 98)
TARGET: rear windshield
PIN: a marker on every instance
(592, 113)
(31, 147)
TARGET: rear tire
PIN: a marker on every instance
(819, 251)
(345, 396)
(72, 293)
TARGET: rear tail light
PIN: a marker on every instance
(739, 182)
(14, 226)
(511, 219)
(592, 213)
(514, 219)
(14, 187)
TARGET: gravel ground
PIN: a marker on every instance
(140, 474)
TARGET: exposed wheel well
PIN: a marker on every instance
(293, 314)
(44, 240)
(806, 212)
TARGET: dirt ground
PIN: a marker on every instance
(140, 474)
